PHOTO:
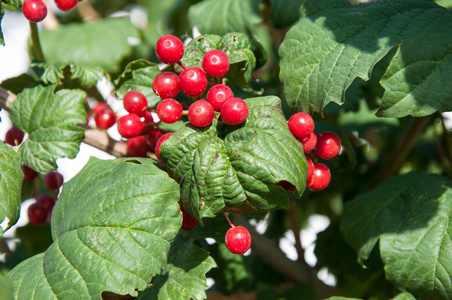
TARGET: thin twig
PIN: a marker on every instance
(294, 223)
(36, 42)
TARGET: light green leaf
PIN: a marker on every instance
(6, 289)
(103, 43)
(15, 3)
(2, 13)
(221, 17)
(120, 216)
(50, 119)
(11, 178)
(54, 73)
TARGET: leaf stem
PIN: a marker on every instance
(36, 42)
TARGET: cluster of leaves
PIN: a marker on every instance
(385, 62)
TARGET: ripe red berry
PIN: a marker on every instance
(130, 125)
(301, 124)
(193, 81)
(188, 221)
(135, 102)
(53, 180)
(29, 173)
(66, 4)
(287, 186)
(34, 10)
(37, 214)
(169, 111)
(153, 137)
(218, 95)
(105, 118)
(234, 111)
(148, 122)
(201, 113)
(14, 136)
(137, 146)
(159, 143)
(46, 200)
(328, 145)
(320, 178)
(310, 169)
(308, 142)
(166, 85)
(215, 63)
(238, 240)
(169, 49)
(98, 107)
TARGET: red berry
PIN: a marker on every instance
(53, 180)
(218, 95)
(328, 145)
(148, 122)
(308, 142)
(137, 146)
(234, 111)
(301, 124)
(49, 215)
(310, 169)
(188, 221)
(287, 186)
(169, 49)
(135, 102)
(98, 107)
(66, 4)
(201, 113)
(159, 143)
(153, 137)
(166, 85)
(169, 111)
(320, 178)
(14, 136)
(46, 200)
(34, 10)
(130, 125)
(215, 63)
(193, 81)
(105, 118)
(37, 214)
(29, 173)
(238, 240)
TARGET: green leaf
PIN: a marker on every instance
(6, 289)
(336, 41)
(221, 17)
(112, 227)
(342, 298)
(11, 178)
(237, 168)
(404, 296)
(15, 3)
(2, 13)
(54, 73)
(50, 119)
(284, 13)
(101, 44)
(138, 76)
(409, 214)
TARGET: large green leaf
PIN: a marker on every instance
(6, 289)
(112, 227)
(221, 17)
(410, 216)
(103, 43)
(284, 13)
(54, 73)
(336, 41)
(237, 168)
(50, 119)
(11, 178)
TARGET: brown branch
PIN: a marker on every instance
(294, 223)
(6, 99)
(4, 247)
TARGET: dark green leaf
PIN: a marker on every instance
(342, 298)
(103, 43)
(50, 119)
(35, 239)
(221, 17)
(118, 215)
(237, 168)
(18, 83)
(284, 12)
(54, 73)
(11, 177)
(404, 296)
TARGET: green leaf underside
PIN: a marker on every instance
(11, 178)
(237, 168)
(410, 215)
(50, 119)
(335, 42)
(221, 17)
(86, 43)
(138, 76)
(120, 217)
(53, 73)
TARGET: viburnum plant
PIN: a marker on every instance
(222, 116)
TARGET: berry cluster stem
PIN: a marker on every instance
(36, 42)
(229, 221)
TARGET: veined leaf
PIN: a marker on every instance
(112, 227)
(53, 73)
(15, 3)
(50, 119)
(11, 178)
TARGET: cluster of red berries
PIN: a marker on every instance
(36, 10)
(325, 145)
